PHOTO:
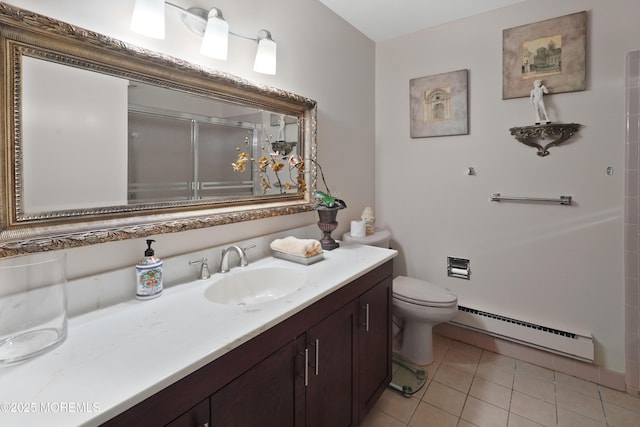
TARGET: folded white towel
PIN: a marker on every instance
(298, 247)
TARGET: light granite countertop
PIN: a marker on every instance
(116, 357)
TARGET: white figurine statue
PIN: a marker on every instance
(281, 124)
(537, 100)
(369, 220)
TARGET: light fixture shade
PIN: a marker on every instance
(148, 18)
(216, 36)
(266, 56)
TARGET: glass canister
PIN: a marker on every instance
(33, 305)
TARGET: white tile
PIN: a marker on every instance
(454, 378)
(491, 392)
(621, 399)
(497, 374)
(377, 418)
(533, 409)
(516, 420)
(444, 397)
(461, 360)
(427, 416)
(535, 371)
(621, 417)
(568, 418)
(535, 387)
(577, 384)
(580, 403)
(482, 413)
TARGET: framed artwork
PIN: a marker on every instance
(438, 105)
(552, 51)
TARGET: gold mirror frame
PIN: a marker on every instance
(26, 33)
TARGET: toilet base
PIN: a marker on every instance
(419, 347)
(420, 306)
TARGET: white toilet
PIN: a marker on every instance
(417, 307)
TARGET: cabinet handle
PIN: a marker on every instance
(306, 367)
(316, 345)
(366, 317)
(317, 355)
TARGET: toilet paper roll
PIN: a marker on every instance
(358, 229)
(460, 272)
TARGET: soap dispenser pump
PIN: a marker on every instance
(149, 274)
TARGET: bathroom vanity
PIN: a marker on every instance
(320, 355)
(326, 365)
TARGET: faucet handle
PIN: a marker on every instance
(249, 247)
(204, 268)
(243, 257)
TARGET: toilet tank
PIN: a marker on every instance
(380, 238)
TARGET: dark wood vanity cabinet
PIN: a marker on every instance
(374, 344)
(264, 395)
(197, 416)
(330, 393)
(324, 366)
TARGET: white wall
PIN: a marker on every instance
(549, 264)
(319, 56)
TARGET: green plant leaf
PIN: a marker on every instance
(325, 199)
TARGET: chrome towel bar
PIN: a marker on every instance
(563, 200)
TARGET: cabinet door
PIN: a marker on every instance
(265, 395)
(374, 345)
(331, 388)
(196, 417)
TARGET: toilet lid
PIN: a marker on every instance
(422, 293)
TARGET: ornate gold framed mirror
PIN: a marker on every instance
(103, 141)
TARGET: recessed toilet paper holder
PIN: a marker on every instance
(458, 267)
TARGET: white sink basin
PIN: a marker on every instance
(260, 285)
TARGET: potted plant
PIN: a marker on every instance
(327, 207)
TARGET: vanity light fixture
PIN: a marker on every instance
(215, 39)
(148, 20)
(266, 56)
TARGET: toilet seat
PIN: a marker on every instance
(423, 293)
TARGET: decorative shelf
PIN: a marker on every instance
(529, 135)
(282, 147)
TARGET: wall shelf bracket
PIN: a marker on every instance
(531, 135)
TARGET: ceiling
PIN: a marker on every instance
(382, 20)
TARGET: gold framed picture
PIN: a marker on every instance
(553, 51)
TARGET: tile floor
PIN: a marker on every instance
(468, 386)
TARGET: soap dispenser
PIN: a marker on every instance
(149, 274)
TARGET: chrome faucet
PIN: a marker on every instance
(224, 262)
(204, 268)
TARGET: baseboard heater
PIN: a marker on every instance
(565, 343)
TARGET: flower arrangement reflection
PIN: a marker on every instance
(293, 166)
